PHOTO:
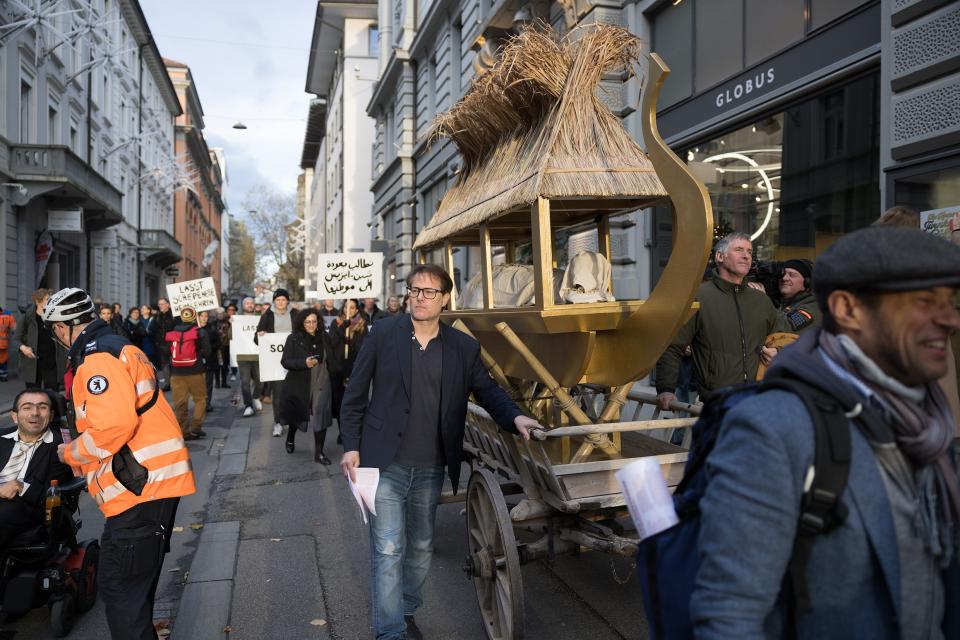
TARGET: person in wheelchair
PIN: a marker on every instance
(28, 463)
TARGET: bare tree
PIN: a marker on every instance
(269, 214)
(243, 258)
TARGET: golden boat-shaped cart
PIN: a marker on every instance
(543, 153)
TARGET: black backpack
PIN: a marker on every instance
(667, 563)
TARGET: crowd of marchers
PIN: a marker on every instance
(204, 338)
(828, 500)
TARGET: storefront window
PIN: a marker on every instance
(930, 190)
(798, 179)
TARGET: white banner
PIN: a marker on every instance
(244, 329)
(201, 294)
(350, 275)
(271, 351)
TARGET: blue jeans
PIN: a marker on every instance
(401, 544)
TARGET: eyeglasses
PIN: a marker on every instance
(428, 294)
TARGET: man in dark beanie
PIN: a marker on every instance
(797, 302)
(882, 561)
(276, 320)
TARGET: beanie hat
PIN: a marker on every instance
(281, 292)
(803, 267)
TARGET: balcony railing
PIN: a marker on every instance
(160, 247)
(58, 164)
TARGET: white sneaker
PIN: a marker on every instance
(277, 430)
(248, 412)
(257, 404)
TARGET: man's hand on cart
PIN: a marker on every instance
(664, 399)
(527, 426)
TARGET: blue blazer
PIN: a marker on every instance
(375, 427)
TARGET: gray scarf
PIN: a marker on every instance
(923, 429)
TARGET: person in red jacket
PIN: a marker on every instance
(131, 451)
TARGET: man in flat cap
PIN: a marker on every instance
(797, 303)
(887, 568)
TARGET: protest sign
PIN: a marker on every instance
(350, 275)
(937, 221)
(200, 294)
(244, 329)
(271, 351)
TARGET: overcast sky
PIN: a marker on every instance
(249, 62)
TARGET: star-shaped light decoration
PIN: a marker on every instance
(42, 16)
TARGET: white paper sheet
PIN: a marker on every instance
(364, 490)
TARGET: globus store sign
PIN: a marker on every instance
(852, 40)
(744, 88)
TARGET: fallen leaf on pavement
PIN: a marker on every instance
(196, 526)
(227, 629)
(318, 622)
(178, 529)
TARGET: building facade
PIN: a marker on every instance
(804, 118)
(198, 202)
(340, 135)
(225, 218)
(86, 127)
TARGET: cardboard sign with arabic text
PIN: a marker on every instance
(350, 275)
(200, 294)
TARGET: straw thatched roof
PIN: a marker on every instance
(533, 126)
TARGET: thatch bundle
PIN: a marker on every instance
(534, 126)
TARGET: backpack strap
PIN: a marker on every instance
(821, 510)
(153, 399)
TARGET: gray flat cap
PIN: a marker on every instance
(883, 258)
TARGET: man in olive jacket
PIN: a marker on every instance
(727, 333)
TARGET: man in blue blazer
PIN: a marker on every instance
(889, 570)
(411, 428)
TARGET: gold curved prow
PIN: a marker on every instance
(668, 306)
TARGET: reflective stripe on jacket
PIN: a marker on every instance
(106, 393)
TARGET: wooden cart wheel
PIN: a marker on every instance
(493, 561)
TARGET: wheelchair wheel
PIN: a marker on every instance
(87, 580)
(62, 613)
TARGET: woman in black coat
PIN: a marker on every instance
(307, 397)
(347, 334)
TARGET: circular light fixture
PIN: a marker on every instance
(239, 125)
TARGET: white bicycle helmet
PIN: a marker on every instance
(70, 306)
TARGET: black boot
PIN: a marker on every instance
(291, 434)
(318, 438)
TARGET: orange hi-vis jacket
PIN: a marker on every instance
(115, 402)
(8, 325)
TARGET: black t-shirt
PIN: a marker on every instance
(421, 445)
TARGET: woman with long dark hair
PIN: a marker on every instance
(307, 398)
(346, 336)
